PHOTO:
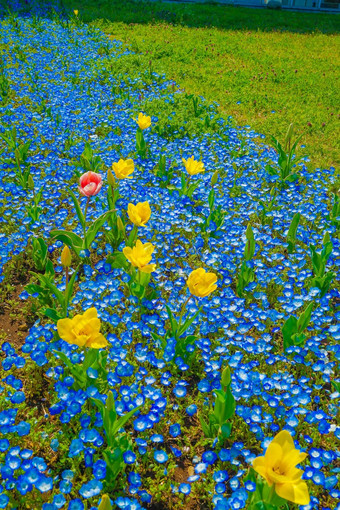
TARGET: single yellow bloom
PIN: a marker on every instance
(200, 283)
(143, 121)
(82, 330)
(192, 166)
(66, 256)
(278, 467)
(76, 12)
(139, 214)
(140, 255)
(123, 169)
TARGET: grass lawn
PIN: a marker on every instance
(265, 68)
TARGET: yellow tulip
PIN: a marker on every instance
(200, 283)
(66, 257)
(143, 121)
(278, 467)
(192, 166)
(82, 330)
(140, 255)
(139, 214)
(123, 169)
(76, 12)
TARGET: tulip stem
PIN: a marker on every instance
(85, 214)
(182, 312)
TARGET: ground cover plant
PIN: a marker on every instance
(264, 68)
(169, 296)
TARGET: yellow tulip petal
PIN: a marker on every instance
(295, 492)
(97, 342)
(289, 461)
(285, 440)
(79, 340)
(148, 268)
(64, 327)
(91, 313)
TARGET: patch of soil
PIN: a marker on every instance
(13, 322)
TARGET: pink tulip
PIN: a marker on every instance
(90, 184)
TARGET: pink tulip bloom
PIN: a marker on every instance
(90, 184)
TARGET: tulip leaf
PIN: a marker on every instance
(304, 318)
(71, 239)
(188, 322)
(69, 289)
(117, 260)
(173, 322)
(52, 314)
(77, 207)
(58, 294)
(123, 419)
(96, 225)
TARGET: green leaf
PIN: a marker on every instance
(117, 260)
(123, 419)
(188, 322)
(226, 430)
(291, 236)
(71, 239)
(96, 225)
(289, 329)
(77, 208)
(172, 320)
(205, 427)
(304, 318)
(58, 294)
(51, 313)
(211, 199)
(250, 244)
(69, 289)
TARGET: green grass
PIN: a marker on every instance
(286, 62)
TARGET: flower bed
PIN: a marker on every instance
(127, 405)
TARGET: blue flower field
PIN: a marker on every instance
(192, 385)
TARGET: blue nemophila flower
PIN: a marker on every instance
(184, 488)
(129, 457)
(160, 456)
(191, 410)
(90, 489)
(175, 430)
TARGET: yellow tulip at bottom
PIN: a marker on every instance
(278, 467)
(82, 330)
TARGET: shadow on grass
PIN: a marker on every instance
(204, 15)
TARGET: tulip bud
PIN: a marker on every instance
(120, 224)
(214, 178)
(76, 12)
(105, 503)
(30, 182)
(110, 178)
(66, 257)
(226, 379)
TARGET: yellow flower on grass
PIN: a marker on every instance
(76, 12)
(200, 283)
(139, 214)
(66, 256)
(143, 121)
(140, 255)
(123, 169)
(278, 467)
(82, 330)
(192, 166)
